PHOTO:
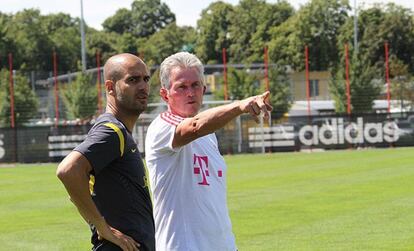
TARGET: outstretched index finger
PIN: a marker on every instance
(265, 95)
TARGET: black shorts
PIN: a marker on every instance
(106, 246)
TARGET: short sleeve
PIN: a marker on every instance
(102, 145)
(159, 138)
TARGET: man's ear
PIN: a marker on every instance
(110, 87)
(204, 89)
(164, 94)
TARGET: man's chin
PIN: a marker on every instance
(138, 110)
(191, 113)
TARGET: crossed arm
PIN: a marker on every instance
(74, 171)
(215, 118)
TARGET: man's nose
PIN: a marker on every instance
(144, 86)
(190, 91)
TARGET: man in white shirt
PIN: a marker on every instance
(187, 172)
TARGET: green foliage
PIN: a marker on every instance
(243, 83)
(80, 97)
(365, 87)
(144, 19)
(279, 85)
(401, 82)
(316, 25)
(149, 16)
(33, 45)
(213, 32)
(273, 16)
(6, 38)
(119, 23)
(63, 32)
(155, 85)
(25, 100)
(251, 21)
(377, 25)
(167, 41)
(103, 42)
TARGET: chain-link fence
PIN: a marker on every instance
(53, 111)
(242, 135)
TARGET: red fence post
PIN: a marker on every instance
(387, 77)
(266, 70)
(348, 87)
(223, 51)
(307, 78)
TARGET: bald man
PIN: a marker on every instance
(105, 175)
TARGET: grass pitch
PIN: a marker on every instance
(338, 200)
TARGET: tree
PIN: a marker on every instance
(242, 83)
(33, 45)
(280, 94)
(376, 26)
(275, 15)
(104, 42)
(249, 31)
(144, 19)
(80, 97)
(155, 85)
(63, 32)
(365, 87)
(167, 41)
(6, 41)
(25, 100)
(119, 23)
(402, 86)
(316, 25)
(390, 23)
(213, 32)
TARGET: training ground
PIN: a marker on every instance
(336, 200)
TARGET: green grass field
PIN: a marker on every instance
(338, 200)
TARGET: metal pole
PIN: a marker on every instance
(262, 134)
(401, 95)
(98, 84)
(239, 134)
(56, 85)
(355, 27)
(82, 30)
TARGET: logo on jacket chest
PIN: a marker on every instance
(201, 167)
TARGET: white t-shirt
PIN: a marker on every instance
(189, 190)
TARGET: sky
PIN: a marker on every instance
(187, 12)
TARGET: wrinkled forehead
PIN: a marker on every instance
(185, 75)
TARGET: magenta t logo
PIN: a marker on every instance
(201, 166)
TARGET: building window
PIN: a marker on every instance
(314, 87)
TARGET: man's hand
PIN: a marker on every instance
(115, 236)
(256, 105)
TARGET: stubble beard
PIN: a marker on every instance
(129, 105)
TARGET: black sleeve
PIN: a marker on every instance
(101, 147)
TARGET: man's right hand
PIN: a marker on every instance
(117, 237)
(257, 105)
